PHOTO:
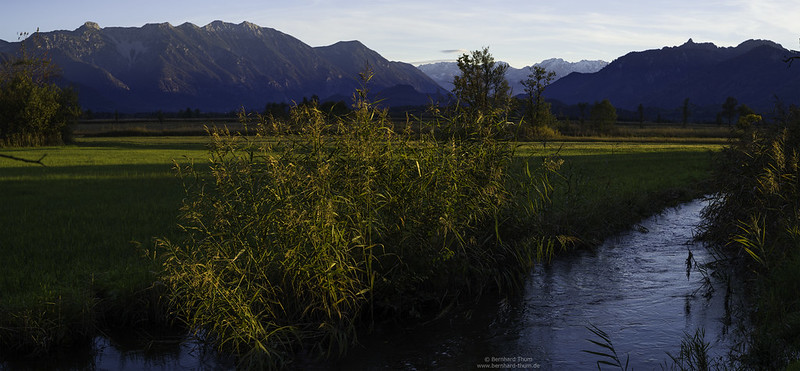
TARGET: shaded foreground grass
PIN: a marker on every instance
(75, 232)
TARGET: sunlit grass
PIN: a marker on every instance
(74, 231)
(606, 186)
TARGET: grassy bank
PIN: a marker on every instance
(604, 187)
(75, 231)
(756, 224)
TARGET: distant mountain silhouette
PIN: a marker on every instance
(753, 72)
(218, 67)
(443, 72)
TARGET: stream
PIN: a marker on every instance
(635, 287)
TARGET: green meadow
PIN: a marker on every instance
(606, 186)
(75, 231)
(78, 234)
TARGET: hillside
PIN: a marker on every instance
(218, 67)
(753, 72)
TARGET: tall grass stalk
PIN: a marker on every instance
(292, 244)
(756, 219)
(693, 354)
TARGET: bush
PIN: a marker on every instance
(34, 111)
(603, 115)
(756, 221)
(291, 244)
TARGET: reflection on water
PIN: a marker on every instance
(635, 287)
(131, 349)
(156, 351)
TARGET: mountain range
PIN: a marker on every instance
(223, 66)
(443, 72)
(218, 67)
(754, 72)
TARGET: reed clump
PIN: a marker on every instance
(291, 244)
(755, 219)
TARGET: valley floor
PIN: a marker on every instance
(78, 234)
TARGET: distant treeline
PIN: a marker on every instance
(564, 112)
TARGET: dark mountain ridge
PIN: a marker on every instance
(217, 67)
(754, 72)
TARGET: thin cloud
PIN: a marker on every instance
(455, 51)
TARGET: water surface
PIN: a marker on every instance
(634, 287)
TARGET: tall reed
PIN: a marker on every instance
(291, 244)
(756, 221)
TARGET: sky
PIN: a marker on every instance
(415, 31)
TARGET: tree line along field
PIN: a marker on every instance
(78, 234)
(622, 131)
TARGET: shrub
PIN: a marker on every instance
(290, 244)
(756, 220)
(603, 115)
(33, 110)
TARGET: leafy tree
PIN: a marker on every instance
(603, 115)
(34, 110)
(335, 109)
(277, 110)
(640, 112)
(582, 107)
(744, 110)
(746, 122)
(538, 110)
(482, 84)
(685, 112)
(729, 109)
(187, 114)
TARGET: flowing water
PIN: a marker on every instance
(635, 288)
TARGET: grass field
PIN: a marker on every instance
(605, 187)
(75, 232)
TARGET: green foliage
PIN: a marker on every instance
(729, 109)
(482, 87)
(603, 115)
(538, 111)
(694, 354)
(758, 202)
(289, 245)
(746, 122)
(71, 234)
(756, 217)
(640, 114)
(744, 110)
(605, 188)
(34, 111)
(70, 263)
(685, 112)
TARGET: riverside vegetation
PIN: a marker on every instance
(291, 245)
(756, 221)
(292, 239)
(81, 265)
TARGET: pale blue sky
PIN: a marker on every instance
(519, 32)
